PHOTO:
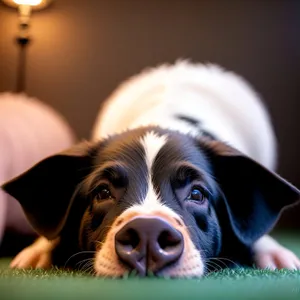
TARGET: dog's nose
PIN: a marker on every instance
(148, 244)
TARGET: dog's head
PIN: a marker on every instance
(153, 201)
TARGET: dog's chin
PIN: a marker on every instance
(189, 267)
(108, 264)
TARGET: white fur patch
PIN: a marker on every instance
(152, 143)
(225, 103)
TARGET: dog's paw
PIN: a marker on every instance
(38, 255)
(269, 254)
(31, 257)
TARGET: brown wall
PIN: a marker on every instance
(81, 50)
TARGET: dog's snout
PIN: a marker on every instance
(148, 244)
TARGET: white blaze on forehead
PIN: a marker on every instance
(152, 143)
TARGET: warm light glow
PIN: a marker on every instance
(28, 2)
(34, 5)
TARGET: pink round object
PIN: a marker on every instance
(29, 131)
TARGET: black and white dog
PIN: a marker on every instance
(179, 173)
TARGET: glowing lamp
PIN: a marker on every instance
(25, 7)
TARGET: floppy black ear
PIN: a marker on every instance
(45, 191)
(254, 196)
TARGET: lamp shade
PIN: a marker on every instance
(35, 4)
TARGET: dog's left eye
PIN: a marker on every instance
(197, 195)
(103, 193)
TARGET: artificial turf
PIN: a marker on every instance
(225, 284)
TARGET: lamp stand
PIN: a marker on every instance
(21, 68)
(22, 41)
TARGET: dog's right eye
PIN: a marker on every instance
(103, 193)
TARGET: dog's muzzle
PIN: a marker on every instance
(148, 244)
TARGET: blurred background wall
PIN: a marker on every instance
(81, 50)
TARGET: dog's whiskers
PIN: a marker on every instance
(87, 260)
(78, 253)
(88, 266)
(214, 266)
(90, 271)
(221, 260)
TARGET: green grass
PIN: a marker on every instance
(226, 284)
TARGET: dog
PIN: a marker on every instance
(179, 175)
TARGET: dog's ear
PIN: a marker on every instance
(45, 191)
(254, 196)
